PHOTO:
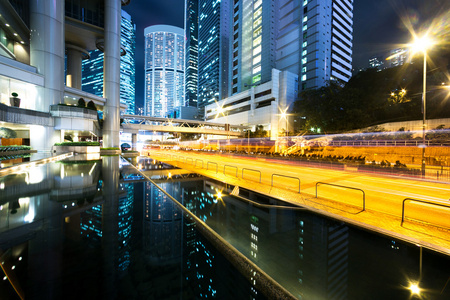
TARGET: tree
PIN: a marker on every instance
(259, 132)
(7, 133)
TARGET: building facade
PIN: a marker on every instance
(311, 39)
(327, 35)
(191, 48)
(92, 69)
(213, 51)
(164, 69)
(263, 104)
(40, 36)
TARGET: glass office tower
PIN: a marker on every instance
(92, 69)
(164, 69)
(191, 47)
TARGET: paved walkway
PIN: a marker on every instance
(420, 233)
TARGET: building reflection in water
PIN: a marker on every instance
(96, 229)
(93, 229)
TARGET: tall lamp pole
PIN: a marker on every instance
(421, 44)
(424, 103)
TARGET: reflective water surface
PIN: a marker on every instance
(80, 229)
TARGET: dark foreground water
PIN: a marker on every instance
(99, 230)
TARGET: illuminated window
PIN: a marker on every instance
(256, 69)
(305, 18)
(304, 60)
(257, 3)
(257, 41)
(256, 59)
(257, 13)
(305, 2)
(257, 31)
(257, 22)
(305, 27)
(257, 50)
(304, 52)
(256, 78)
(305, 43)
(304, 77)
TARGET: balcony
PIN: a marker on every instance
(69, 111)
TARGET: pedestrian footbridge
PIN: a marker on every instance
(134, 124)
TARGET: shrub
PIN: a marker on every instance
(78, 144)
(81, 102)
(91, 105)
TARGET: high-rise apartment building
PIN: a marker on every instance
(213, 51)
(92, 69)
(164, 69)
(191, 48)
(327, 34)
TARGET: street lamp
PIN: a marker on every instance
(422, 44)
(284, 116)
(221, 111)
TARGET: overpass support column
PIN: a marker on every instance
(74, 57)
(133, 141)
(111, 74)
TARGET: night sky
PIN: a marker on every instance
(379, 26)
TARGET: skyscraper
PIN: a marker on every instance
(308, 41)
(127, 63)
(191, 47)
(92, 69)
(326, 49)
(213, 50)
(310, 38)
(164, 69)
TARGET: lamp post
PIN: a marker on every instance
(422, 44)
(222, 112)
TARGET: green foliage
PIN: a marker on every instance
(78, 144)
(189, 136)
(7, 133)
(259, 132)
(372, 97)
(16, 147)
(110, 148)
(91, 105)
(81, 102)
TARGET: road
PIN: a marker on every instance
(382, 194)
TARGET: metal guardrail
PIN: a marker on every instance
(211, 162)
(281, 175)
(224, 167)
(345, 187)
(253, 171)
(387, 143)
(421, 201)
(198, 159)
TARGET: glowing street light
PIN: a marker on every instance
(221, 111)
(422, 44)
(284, 115)
(414, 288)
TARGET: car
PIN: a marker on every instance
(125, 147)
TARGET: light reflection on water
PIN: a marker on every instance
(96, 229)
